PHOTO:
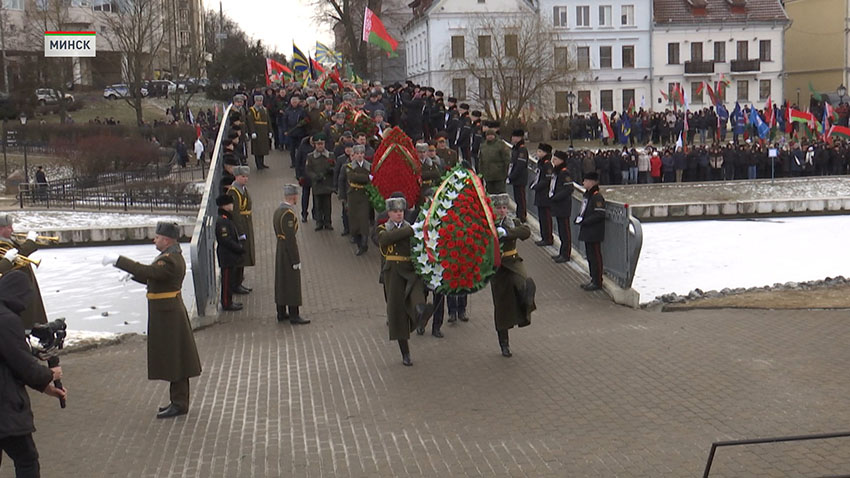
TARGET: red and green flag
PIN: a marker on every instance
(840, 131)
(375, 33)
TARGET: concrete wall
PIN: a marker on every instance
(739, 209)
(110, 235)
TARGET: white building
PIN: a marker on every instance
(609, 41)
(696, 41)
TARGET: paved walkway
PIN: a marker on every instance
(593, 389)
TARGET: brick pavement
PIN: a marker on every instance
(594, 389)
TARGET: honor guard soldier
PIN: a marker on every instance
(260, 131)
(244, 225)
(540, 186)
(14, 255)
(357, 177)
(172, 354)
(229, 250)
(591, 219)
(320, 171)
(513, 290)
(518, 173)
(403, 289)
(561, 203)
(287, 277)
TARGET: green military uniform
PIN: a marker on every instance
(509, 283)
(359, 207)
(315, 121)
(432, 172)
(404, 290)
(494, 159)
(243, 221)
(320, 171)
(449, 157)
(34, 313)
(334, 133)
(258, 123)
(172, 353)
(287, 281)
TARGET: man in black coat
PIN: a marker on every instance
(540, 186)
(228, 251)
(560, 200)
(518, 173)
(591, 219)
(18, 367)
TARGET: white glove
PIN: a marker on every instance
(578, 219)
(126, 277)
(32, 236)
(502, 232)
(253, 135)
(243, 237)
(296, 267)
(109, 259)
(270, 136)
(11, 255)
(371, 177)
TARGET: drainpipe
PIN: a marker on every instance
(428, 49)
(651, 69)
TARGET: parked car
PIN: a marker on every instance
(50, 96)
(121, 90)
(160, 87)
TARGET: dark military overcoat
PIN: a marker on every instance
(509, 283)
(242, 211)
(287, 281)
(258, 123)
(404, 289)
(34, 313)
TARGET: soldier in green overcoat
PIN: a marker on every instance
(513, 291)
(287, 277)
(34, 313)
(358, 177)
(320, 171)
(260, 131)
(403, 289)
(244, 225)
(172, 353)
(493, 162)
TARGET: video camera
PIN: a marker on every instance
(51, 339)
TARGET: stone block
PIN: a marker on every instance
(659, 211)
(747, 208)
(696, 209)
(764, 207)
(816, 204)
(712, 209)
(729, 208)
(780, 206)
(678, 210)
(834, 204)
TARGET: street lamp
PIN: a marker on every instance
(24, 142)
(798, 97)
(842, 90)
(571, 97)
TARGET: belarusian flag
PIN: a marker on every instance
(801, 116)
(375, 33)
(841, 131)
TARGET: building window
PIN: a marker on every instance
(628, 56)
(561, 105)
(764, 50)
(184, 16)
(508, 92)
(672, 53)
(102, 6)
(696, 93)
(628, 99)
(562, 57)
(605, 57)
(559, 16)
(184, 38)
(743, 50)
(627, 15)
(606, 100)
(719, 52)
(696, 51)
(457, 47)
(764, 89)
(583, 16)
(720, 91)
(605, 16)
(484, 46)
(584, 101)
(511, 46)
(459, 88)
(583, 57)
(485, 88)
(13, 4)
(743, 90)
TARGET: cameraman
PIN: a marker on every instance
(19, 367)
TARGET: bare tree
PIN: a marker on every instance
(136, 30)
(516, 65)
(346, 17)
(56, 74)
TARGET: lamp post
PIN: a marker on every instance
(24, 143)
(571, 97)
(842, 90)
(798, 97)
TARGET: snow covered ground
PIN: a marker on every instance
(682, 256)
(26, 220)
(76, 286)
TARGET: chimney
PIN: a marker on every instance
(698, 7)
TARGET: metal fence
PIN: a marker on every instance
(202, 249)
(623, 234)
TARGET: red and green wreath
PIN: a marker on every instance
(358, 121)
(455, 248)
(396, 167)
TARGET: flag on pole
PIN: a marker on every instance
(840, 131)
(607, 123)
(191, 116)
(826, 122)
(625, 129)
(700, 87)
(712, 95)
(299, 60)
(798, 116)
(324, 54)
(789, 125)
(679, 143)
(631, 109)
(317, 67)
(664, 95)
(761, 127)
(768, 114)
(817, 96)
(275, 71)
(375, 33)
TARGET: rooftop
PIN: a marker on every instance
(718, 11)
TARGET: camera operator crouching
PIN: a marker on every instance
(18, 367)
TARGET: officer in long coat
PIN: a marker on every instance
(260, 131)
(287, 277)
(403, 289)
(172, 354)
(513, 291)
(34, 313)
(320, 170)
(358, 176)
(561, 203)
(229, 250)
(518, 172)
(242, 211)
(591, 219)
(494, 162)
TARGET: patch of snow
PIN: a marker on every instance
(75, 285)
(682, 256)
(27, 220)
(77, 338)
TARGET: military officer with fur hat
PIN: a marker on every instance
(242, 210)
(319, 169)
(357, 177)
(287, 277)
(403, 289)
(172, 353)
(513, 291)
(229, 250)
(260, 132)
(432, 170)
(34, 313)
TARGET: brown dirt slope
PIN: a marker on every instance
(837, 297)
